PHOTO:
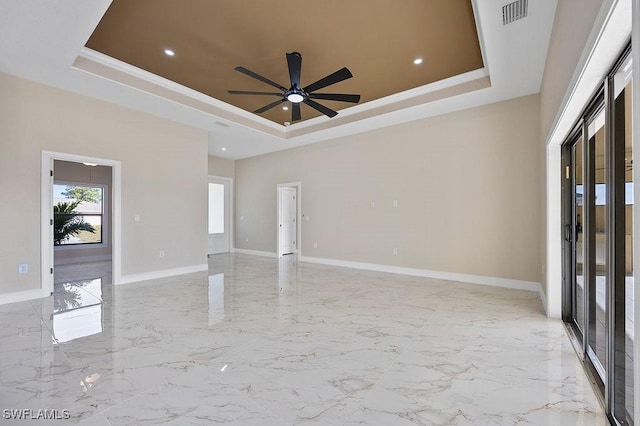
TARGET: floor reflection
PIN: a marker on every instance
(216, 298)
(77, 311)
(78, 295)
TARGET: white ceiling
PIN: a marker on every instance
(41, 40)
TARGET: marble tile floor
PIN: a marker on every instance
(260, 341)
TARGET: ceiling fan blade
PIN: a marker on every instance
(342, 97)
(336, 77)
(245, 92)
(323, 109)
(294, 61)
(250, 73)
(295, 112)
(268, 107)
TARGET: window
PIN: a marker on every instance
(78, 214)
(216, 208)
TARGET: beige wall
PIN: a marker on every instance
(164, 175)
(222, 167)
(467, 185)
(78, 173)
(572, 26)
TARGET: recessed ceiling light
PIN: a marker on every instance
(224, 149)
(169, 52)
(417, 61)
(286, 108)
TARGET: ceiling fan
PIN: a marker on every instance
(297, 94)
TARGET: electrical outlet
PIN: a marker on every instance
(136, 217)
(315, 245)
(23, 268)
(161, 254)
(373, 204)
(395, 203)
(395, 251)
(246, 239)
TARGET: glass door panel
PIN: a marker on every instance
(622, 273)
(597, 243)
(577, 226)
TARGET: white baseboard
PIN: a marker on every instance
(256, 252)
(451, 276)
(543, 298)
(82, 259)
(21, 296)
(126, 279)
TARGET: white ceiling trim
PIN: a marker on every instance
(398, 97)
(115, 64)
(87, 58)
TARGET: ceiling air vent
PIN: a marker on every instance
(513, 11)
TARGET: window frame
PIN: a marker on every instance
(104, 230)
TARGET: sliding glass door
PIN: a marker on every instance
(598, 245)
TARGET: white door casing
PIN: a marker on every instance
(46, 236)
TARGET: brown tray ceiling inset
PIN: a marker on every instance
(376, 39)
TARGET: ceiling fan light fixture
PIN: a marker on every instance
(295, 98)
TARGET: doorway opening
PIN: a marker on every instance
(220, 215)
(80, 237)
(289, 202)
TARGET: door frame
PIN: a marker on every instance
(298, 187)
(569, 226)
(46, 214)
(231, 235)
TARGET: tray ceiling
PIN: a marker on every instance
(376, 39)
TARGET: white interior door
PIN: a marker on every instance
(288, 213)
(218, 240)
